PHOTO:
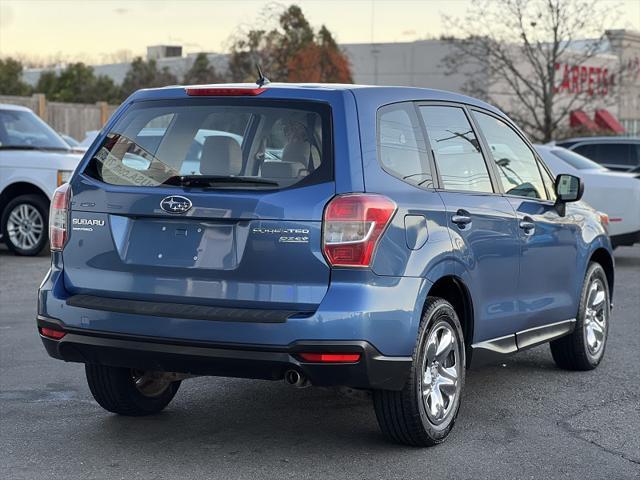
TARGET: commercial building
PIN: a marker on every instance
(165, 56)
(420, 63)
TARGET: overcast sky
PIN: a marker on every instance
(94, 30)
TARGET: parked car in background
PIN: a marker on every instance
(615, 193)
(615, 153)
(372, 237)
(34, 161)
(88, 139)
(72, 142)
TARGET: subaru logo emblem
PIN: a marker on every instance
(175, 204)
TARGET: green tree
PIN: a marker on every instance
(77, 83)
(290, 50)
(296, 33)
(47, 83)
(106, 90)
(144, 74)
(202, 72)
(334, 65)
(11, 78)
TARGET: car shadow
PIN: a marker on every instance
(623, 258)
(5, 252)
(231, 416)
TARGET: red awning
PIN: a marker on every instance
(606, 120)
(578, 118)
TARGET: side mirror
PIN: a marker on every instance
(569, 188)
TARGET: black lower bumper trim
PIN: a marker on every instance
(626, 239)
(373, 371)
(181, 310)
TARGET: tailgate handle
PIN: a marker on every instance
(181, 232)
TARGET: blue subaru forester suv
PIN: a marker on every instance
(372, 237)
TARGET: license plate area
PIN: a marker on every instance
(172, 243)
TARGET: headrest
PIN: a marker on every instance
(282, 170)
(297, 152)
(221, 155)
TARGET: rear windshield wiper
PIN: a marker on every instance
(211, 180)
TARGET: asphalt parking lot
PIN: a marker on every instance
(521, 419)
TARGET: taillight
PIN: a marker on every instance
(223, 91)
(58, 217)
(352, 226)
(330, 357)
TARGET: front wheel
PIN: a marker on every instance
(131, 392)
(423, 413)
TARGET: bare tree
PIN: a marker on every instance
(533, 58)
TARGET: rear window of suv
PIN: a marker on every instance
(208, 143)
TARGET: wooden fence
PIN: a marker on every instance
(73, 119)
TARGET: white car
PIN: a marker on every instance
(88, 139)
(34, 161)
(615, 193)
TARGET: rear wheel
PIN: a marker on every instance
(131, 392)
(424, 411)
(584, 348)
(24, 224)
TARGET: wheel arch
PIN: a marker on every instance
(19, 188)
(453, 289)
(604, 258)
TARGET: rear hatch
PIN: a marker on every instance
(211, 202)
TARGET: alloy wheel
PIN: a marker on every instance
(440, 384)
(595, 317)
(25, 226)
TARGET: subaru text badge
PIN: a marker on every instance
(175, 204)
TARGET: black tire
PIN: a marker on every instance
(572, 351)
(41, 204)
(115, 390)
(402, 415)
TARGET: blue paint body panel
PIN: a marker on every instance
(227, 251)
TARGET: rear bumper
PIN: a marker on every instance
(383, 311)
(374, 370)
(625, 239)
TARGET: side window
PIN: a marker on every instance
(589, 151)
(401, 147)
(456, 149)
(517, 165)
(617, 154)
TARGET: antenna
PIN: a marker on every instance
(262, 80)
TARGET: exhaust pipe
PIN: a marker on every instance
(296, 379)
